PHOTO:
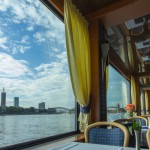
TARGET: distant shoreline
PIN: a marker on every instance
(34, 114)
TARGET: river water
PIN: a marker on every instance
(16, 129)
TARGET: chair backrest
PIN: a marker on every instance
(98, 133)
(144, 121)
(146, 115)
(127, 122)
(148, 119)
(148, 138)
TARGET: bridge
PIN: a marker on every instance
(63, 108)
(57, 110)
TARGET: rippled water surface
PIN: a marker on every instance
(16, 129)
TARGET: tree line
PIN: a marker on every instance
(21, 110)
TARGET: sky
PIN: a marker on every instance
(33, 59)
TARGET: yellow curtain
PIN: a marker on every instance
(133, 91)
(131, 63)
(146, 102)
(130, 53)
(78, 50)
(107, 72)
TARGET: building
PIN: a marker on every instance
(16, 101)
(3, 100)
(42, 106)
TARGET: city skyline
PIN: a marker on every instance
(17, 103)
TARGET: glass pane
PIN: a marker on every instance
(118, 95)
(35, 86)
(116, 40)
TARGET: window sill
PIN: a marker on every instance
(48, 145)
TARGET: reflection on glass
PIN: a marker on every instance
(118, 95)
(117, 41)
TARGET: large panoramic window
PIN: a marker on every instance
(36, 94)
(118, 95)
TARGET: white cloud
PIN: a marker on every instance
(1, 33)
(24, 62)
(25, 39)
(55, 34)
(19, 49)
(63, 57)
(33, 11)
(11, 67)
(55, 68)
(35, 14)
(30, 28)
(54, 49)
(3, 41)
(39, 37)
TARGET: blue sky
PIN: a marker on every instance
(33, 56)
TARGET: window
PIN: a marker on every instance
(117, 41)
(118, 95)
(35, 83)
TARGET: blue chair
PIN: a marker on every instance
(105, 133)
(127, 123)
(143, 120)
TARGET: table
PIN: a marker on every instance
(89, 146)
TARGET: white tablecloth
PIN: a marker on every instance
(88, 146)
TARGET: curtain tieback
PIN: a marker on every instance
(85, 110)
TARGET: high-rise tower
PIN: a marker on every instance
(16, 101)
(42, 105)
(3, 100)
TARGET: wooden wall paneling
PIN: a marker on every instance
(143, 74)
(95, 78)
(138, 102)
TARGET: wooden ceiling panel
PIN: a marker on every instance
(85, 6)
(127, 10)
(111, 12)
(89, 6)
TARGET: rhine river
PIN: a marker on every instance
(16, 129)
